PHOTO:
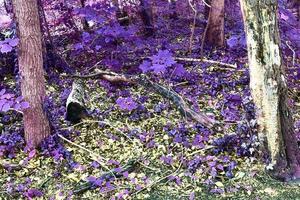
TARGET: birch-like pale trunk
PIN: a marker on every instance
(268, 86)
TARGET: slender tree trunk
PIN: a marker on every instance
(172, 7)
(121, 14)
(85, 24)
(30, 59)
(215, 25)
(268, 87)
(147, 17)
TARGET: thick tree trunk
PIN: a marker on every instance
(268, 86)
(215, 25)
(30, 59)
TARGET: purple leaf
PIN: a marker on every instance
(32, 153)
(17, 106)
(95, 164)
(145, 66)
(24, 105)
(179, 70)
(98, 47)
(13, 42)
(19, 99)
(126, 103)
(78, 46)
(192, 196)
(159, 68)
(233, 41)
(125, 174)
(284, 17)
(7, 96)
(5, 48)
(2, 102)
(2, 92)
(6, 107)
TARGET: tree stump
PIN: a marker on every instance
(75, 103)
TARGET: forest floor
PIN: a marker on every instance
(135, 144)
(167, 157)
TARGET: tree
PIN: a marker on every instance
(84, 22)
(30, 60)
(172, 8)
(147, 17)
(121, 14)
(268, 87)
(214, 33)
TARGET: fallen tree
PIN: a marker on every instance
(142, 80)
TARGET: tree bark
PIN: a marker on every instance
(215, 25)
(172, 7)
(147, 17)
(121, 14)
(30, 60)
(268, 87)
(85, 24)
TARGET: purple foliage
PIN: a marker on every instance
(122, 48)
(126, 103)
(8, 102)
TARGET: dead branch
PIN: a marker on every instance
(233, 66)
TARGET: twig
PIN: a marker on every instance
(11, 166)
(233, 66)
(94, 66)
(294, 53)
(206, 3)
(201, 150)
(147, 167)
(94, 156)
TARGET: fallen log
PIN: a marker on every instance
(183, 107)
(75, 103)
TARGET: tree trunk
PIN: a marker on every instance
(268, 87)
(215, 25)
(147, 17)
(173, 12)
(85, 24)
(30, 59)
(121, 14)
